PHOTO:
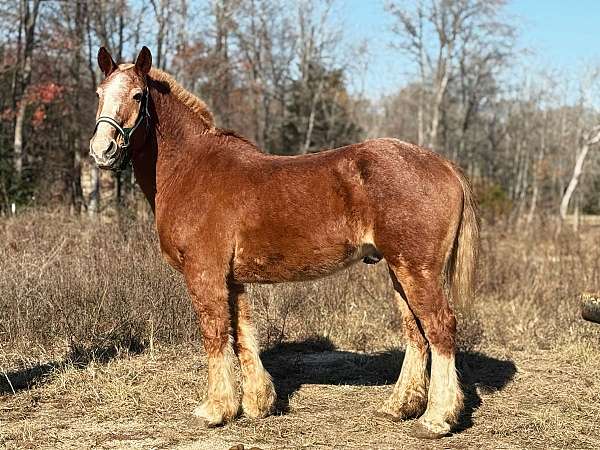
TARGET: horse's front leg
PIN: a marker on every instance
(258, 391)
(209, 293)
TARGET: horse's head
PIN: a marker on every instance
(122, 117)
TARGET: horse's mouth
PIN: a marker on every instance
(111, 165)
(115, 163)
(106, 166)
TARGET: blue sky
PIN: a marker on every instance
(563, 36)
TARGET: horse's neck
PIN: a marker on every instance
(175, 128)
(144, 168)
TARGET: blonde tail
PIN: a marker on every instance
(460, 269)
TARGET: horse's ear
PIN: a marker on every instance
(143, 63)
(105, 61)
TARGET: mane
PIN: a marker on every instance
(228, 133)
(184, 96)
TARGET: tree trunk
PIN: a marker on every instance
(162, 11)
(29, 17)
(420, 115)
(108, 195)
(90, 186)
(309, 129)
(18, 142)
(311, 118)
(79, 149)
(422, 69)
(537, 168)
(442, 84)
(592, 138)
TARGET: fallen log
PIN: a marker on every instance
(590, 307)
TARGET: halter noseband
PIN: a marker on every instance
(126, 133)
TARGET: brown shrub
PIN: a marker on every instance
(71, 281)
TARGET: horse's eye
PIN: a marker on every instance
(138, 97)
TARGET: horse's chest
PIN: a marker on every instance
(168, 238)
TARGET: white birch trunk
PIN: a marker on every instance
(29, 18)
(592, 138)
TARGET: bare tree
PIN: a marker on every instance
(28, 12)
(443, 38)
(589, 133)
(220, 62)
(317, 37)
(167, 13)
(591, 138)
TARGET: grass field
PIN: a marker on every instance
(99, 346)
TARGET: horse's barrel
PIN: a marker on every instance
(590, 307)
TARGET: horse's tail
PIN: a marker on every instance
(460, 268)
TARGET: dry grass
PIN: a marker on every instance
(99, 346)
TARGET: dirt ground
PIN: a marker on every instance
(327, 399)
(99, 346)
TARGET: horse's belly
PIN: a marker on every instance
(279, 265)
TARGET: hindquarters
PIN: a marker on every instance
(425, 216)
(418, 201)
(426, 229)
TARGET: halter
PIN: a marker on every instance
(126, 133)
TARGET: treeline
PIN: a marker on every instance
(279, 72)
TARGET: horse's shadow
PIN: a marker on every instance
(316, 361)
(78, 356)
(292, 364)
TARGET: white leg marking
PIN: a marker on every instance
(445, 396)
(409, 396)
(222, 403)
(258, 391)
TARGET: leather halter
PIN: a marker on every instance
(126, 133)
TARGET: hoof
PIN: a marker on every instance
(430, 431)
(259, 403)
(384, 414)
(213, 414)
(410, 408)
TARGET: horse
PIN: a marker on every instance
(228, 214)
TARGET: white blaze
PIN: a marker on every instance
(113, 95)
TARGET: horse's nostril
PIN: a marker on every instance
(111, 150)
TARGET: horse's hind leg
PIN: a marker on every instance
(210, 300)
(258, 391)
(428, 302)
(409, 397)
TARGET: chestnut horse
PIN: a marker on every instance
(228, 214)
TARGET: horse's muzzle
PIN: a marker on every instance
(111, 158)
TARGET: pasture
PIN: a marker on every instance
(100, 347)
(145, 140)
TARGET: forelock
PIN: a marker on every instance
(120, 81)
